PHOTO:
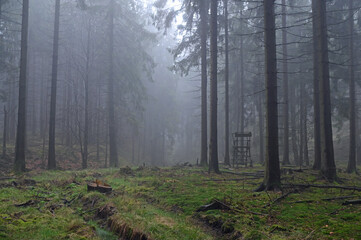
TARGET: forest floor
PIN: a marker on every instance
(162, 203)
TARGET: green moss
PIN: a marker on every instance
(253, 235)
(162, 202)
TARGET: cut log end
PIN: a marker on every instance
(99, 188)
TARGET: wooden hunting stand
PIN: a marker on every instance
(242, 149)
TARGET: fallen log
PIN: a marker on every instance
(250, 174)
(212, 206)
(323, 199)
(321, 186)
(280, 198)
(349, 202)
(6, 178)
(26, 204)
(231, 179)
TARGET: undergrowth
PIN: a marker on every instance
(163, 203)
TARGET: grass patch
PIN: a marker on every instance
(161, 203)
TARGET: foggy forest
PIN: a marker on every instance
(180, 119)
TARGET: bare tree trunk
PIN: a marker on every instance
(5, 131)
(260, 109)
(286, 154)
(204, 18)
(213, 148)
(106, 145)
(242, 85)
(351, 167)
(113, 151)
(54, 76)
(301, 130)
(163, 148)
(261, 128)
(226, 156)
(305, 132)
(133, 142)
(238, 90)
(358, 148)
(316, 97)
(44, 119)
(86, 104)
(296, 158)
(19, 165)
(328, 167)
(98, 126)
(33, 96)
(272, 174)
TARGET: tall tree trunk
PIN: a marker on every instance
(42, 99)
(358, 148)
(113, 151)
(163, 148)
(261, 128)
(19, 165)
(351, 167)
(328, 167)
(33, 95)
(286, 154)
(106, 144)
(213, 148)
(54, 76)
(260, 109)
(226, 156)
(235, 60)
(5, 131)
(305, 132)
(301, 126)
(296, 157)
(86, 103)
(242, 85)
(133, 141)
(98, 126)
(272, 174)
(204, 18)
(316, 96)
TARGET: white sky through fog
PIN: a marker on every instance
(175, 4)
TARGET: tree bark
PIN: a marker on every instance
(351, 167)
(328, 167)
(203, 18)
(261, 128)
(272, 174)
(305, 132)
(316, 96)
(98, 125)
(286, 154)
(86, 104)
(113, 151)
(213, 148)
(242, 85)
(260, 109)
(5, 131)
(301, 130)
(54, 76)
(226, 156)
(19, 165)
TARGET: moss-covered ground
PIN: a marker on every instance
(161, 203)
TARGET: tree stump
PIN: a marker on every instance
(99, 186)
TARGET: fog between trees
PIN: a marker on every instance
(160, 82)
